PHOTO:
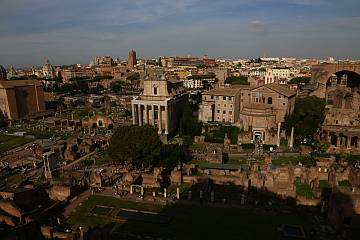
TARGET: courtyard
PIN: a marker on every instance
(186, 221)
(8, 142)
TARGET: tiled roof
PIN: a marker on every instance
(279, 88)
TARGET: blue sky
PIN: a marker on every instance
(74, 31)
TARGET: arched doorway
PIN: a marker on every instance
(333, 140)
(354, 142)
(345, 78)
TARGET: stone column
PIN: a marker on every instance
(134, 114)
(159, 120)
(348, 141)
(166, 120)
(278, 134)
(338, 141)
(292, 138)
(177, 193)
(140, 115)
(152, 115)
(146, 114)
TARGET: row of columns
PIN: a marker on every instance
(344, 141)
(140, 111)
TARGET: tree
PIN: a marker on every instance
(64, 88)
(172, 155)
(133, 77)
(116, 86)
(98, 78)
(206, 85)
(189, 125)
(97, 89)
(300, 80)
(134, 145)
(82, 85)
(202, 77)
(237, 80)
(308, 114)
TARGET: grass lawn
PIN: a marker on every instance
(188, 222)
(9, 142)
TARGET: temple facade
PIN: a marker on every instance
(160, 105)
(21, 99)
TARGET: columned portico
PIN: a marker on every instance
(140, 115)
(166, 120)
(342, 141)
(159, 105)
(160, 126)
(146, 114)
(153, 115)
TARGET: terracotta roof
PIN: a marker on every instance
(282, 89)
(227, 91)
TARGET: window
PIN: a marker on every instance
(269, 100)
(224, 112)
(212, 97)
(231, 105)
(217, 98)
(155, 91)
(224, 105)
(224, 98)
(230, 112)
(218, 111)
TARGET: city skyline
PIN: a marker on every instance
(68, 32)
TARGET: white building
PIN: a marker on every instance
(160, 105)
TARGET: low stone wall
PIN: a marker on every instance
(308, 202)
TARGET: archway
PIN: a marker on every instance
(354, 142)
(346, 78)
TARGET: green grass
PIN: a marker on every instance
(304, 189)
(285, 161)
(344, 183)
(15, 179)
(188, 222)
(293, 161)
(9, 142)
(324, 184)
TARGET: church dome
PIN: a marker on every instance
(2, 73)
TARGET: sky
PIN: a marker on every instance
(75, 31)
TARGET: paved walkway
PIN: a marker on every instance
(74, 203)
(77, 161)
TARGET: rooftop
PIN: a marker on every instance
(282, 89)
(227, 91)
(17, 83)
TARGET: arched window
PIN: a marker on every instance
(269, 100)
